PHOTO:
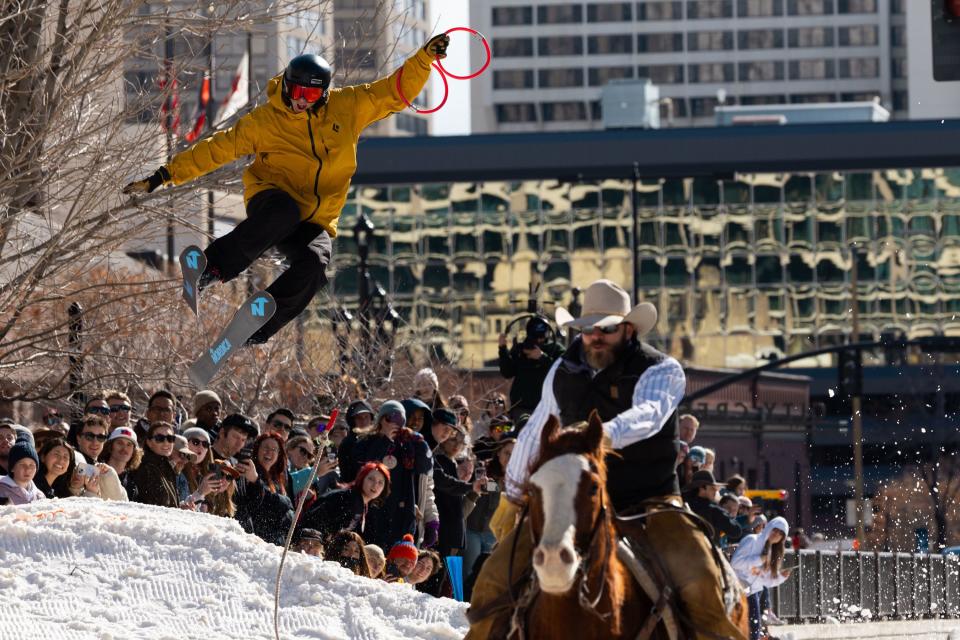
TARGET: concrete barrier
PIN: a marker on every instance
(913, 629)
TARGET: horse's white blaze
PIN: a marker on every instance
(558, 480)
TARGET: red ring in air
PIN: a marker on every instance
(486, 47)
(446, 92)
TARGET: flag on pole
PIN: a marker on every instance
(201, 117)
(239, 92)
(170, 111)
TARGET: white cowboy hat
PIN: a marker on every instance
(605, 304)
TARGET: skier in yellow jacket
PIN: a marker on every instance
(304, 143)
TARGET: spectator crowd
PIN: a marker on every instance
(401, 486)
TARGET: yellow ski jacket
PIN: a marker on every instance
(311, 155)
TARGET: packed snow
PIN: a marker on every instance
(89, 569)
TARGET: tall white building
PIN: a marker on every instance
(552, 57)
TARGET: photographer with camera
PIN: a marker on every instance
(528, 363)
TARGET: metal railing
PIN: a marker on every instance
(853, 586)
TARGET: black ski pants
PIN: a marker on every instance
(273, 220)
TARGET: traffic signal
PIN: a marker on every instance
(849, 374)
(946, 40)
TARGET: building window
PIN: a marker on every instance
(760, 39)
(760, 100)
(711, 72)
(560, 46)
(563, 111)
(858, 68)
(761, 71)
(559, 78)
(707, 9)
(898, 7)
(710, 41)
(858, 36)
(509, 16)
(856, 6)
(599, 76)
(513, 47)
(858, 97)
(898, 36)
(662, 73)
(812, 98)
(898, 68)
(560, 14)
(659, 42)
(660, 10)
(810, 7)
(811, 69)
(411, 124)
(612, 12)
(352, 59)
(901, 101)
(513, 79)
(810, 37)
(702, 107)
(620, 43)
(759, 8)
(516, 112)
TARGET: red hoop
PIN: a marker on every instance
(486, 47)
(446, 92)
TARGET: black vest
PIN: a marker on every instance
(644, 469)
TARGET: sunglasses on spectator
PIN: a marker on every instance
(197, 442)
(609, 330)
(306, 453)
(286, 426)
(171, 438)
(396, 418)
(99, 437)
(117, 408)
(104, 411)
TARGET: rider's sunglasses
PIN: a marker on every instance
(609, 330)
(310, 94)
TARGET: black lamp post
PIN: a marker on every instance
(362, 231)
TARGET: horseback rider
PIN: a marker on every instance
(636, 390)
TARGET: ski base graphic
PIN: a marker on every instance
(252, 314)
(192, 263)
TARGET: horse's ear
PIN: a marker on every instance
(594, 431)
(549, 433)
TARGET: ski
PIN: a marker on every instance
(252, 314)
(192, 263)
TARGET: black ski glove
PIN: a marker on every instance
(437, 46)
(149, 185)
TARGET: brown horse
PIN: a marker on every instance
(585, 590)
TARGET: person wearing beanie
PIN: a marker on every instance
(406, 455)
(359, 415)
(420, 419)
(402, 559)
(206, 409)
(376, 560)
(18, 486)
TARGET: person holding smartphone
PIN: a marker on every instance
(92, 478)
(758, 562)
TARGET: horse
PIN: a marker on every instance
(587, 584)
(585, 590)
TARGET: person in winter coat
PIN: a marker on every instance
(401, 560)
(702, 494)
(346, 548)
(479, 537)
(155, 478)
(304, 143)
(88, 440)
(56, 468)
(406, 455)
(270, 459)
(346, 509)
(758, 563)
(123, 453)
(360, 419)
(451, 492)
(210, 491)
(528, 363)
(420, 419)
(426, 387)
(18, 486)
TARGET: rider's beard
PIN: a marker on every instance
(600, 359)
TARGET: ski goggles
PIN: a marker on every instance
(310, 94)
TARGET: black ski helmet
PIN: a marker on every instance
(308, 70)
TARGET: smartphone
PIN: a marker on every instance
(492, 486)
(216, 470)
(246, 453)
(87, 470)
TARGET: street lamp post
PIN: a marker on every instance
(362, 231)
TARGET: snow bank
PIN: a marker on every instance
(88, 569)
